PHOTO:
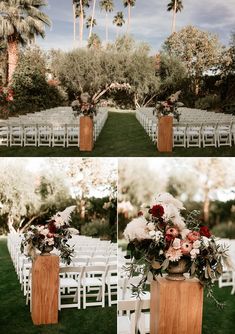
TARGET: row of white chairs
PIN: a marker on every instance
(41, 131)
(94, 273)
(193, 133)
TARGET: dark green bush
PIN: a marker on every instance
(224, 230)
(31, 90)
(97, 228)
(209, 102)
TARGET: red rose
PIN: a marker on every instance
(52, 227)
(140, 213)
(157, 211)
(204, 231)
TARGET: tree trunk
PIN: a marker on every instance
(129, 18)
(92, 18)
(10, 222)
(174, 17)
(74, 24)
(106, 33)
(13, 57)
(206, 208)
(81, 24)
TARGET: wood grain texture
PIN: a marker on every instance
(176, 307)
(45, 289)
(165, 134)
(86, 134)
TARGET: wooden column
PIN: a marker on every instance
(45, 289)
(176, 307)
(165, 134)
(86, 134)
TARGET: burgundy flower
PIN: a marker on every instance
(204, 231)
(140, 213)
(157, 211)
(52, 227)
(169, 237)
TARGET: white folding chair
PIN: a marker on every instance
(112, 282)
(72, 280)
(94, 277)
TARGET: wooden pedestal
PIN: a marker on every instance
(86, 134)
(176, 307)
(165, 134)
(45, 289)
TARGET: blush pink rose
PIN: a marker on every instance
(186, 247)
(193, 236)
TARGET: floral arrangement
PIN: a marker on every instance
(55, 233)
(84, 105)
(169, 107)
(162, 239)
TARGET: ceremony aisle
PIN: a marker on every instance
(15, 315)
(122, 136)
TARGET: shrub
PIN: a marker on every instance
(225, 230)
(97, 228)
(31, 90)
(208, 102)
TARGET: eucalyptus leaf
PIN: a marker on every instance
(165, 264)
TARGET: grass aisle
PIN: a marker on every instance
(15, 316)
(122, 136)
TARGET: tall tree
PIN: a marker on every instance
(20, 22)
(107, 6)
(92, 18)
(118, 19)
(90, 23)
(175, 6)
(94, 42)
(75, 3)
(198, 50)
(80, 13)
(129, 4)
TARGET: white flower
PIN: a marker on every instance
(185, 232)
(161, 252)
(179, 222)
(176, 243)
(137, 229)
(205, 241)
(73, 230)
(151, 226)
(169, 199)
(197, 244)
(194, 253)
(152, 234)
(50, 241)
(44, 231)
(158, 235)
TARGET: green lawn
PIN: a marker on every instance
(15, 316)
(122, 136)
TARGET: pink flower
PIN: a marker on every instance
(173, 254)
(172, 231)
(193, 236)
(186, 247)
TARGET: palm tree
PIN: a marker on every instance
(90, 23)
(176, 6)
(94, 42)
(80, 13)
(129, 4)
(20, 22)
(92, 18)
(75, 3)
(107, 6)
(118, 19)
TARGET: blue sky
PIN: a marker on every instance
(150, 21)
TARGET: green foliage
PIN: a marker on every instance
(97, 228)
(172, 73)
(225, 230)
(209, 102)
(200, 51)
(123, 67)
(31, 90)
